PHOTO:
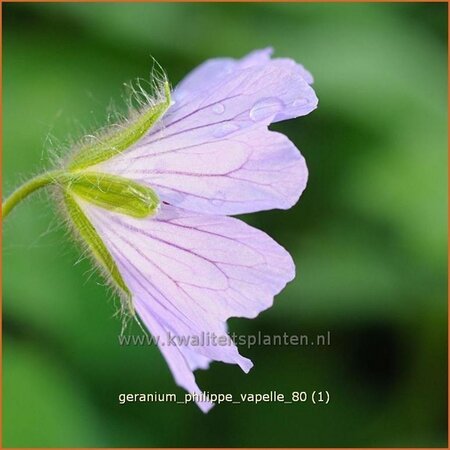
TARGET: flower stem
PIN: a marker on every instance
(28, 188)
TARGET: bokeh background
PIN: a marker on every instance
(369, 235)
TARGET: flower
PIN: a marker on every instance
(152, 200)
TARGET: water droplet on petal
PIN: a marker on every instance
(300, 102)
(225, 129)
(219, 108)
(266, 108)
(174, 198)
(219, 199)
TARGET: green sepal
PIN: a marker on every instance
(119, 140)
(90, 236)
(113, 193)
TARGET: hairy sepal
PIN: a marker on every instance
(88, 234)
(119, 140)
(113, 193)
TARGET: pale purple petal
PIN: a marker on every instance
(214, 154)
(261, 170)
(240, 86)
(189, 273)
(211, 71)
(263, 56)
(203, 76)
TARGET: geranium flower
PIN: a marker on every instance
(151, 199)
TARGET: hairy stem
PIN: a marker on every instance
(28, 188)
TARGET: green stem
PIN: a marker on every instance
(28, 188)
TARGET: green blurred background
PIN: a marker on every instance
(369, 235)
